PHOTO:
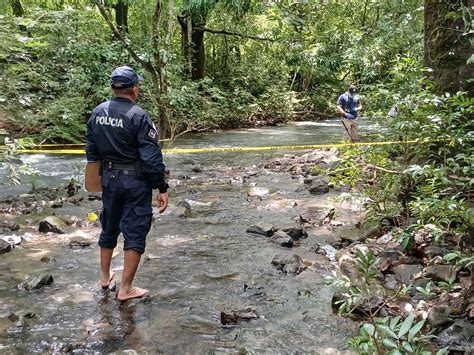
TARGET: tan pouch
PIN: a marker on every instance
(92, 178)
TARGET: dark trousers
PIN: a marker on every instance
(126, 208)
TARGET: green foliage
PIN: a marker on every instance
(391, 335)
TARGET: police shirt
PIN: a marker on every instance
(349, 103)
(119, 131)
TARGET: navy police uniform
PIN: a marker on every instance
(349, 103)
(121, 135)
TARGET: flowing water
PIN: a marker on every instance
(195, 267)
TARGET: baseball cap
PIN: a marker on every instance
(124, 77)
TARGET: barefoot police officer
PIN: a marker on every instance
(124, 139)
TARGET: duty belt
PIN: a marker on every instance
(108, 165)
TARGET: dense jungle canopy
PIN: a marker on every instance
(221, 64)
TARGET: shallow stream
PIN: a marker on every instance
(195, 267)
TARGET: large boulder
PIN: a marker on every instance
(52, 224)
(289, 264)
(256, 191)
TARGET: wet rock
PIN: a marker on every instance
(256, 191)
(261, 228)
(327, 250)
(12, 239)
(296, 232)
(52, 224)
(352, 237)
(365, 306)
(318, 186)
(5, 247)
(282, 239)
(9, 226)
(433, 250)
(36, 283)
(391, 283)
(346, 264)
(289, 264)
(440, 272)
(79, 242)
(196, 169)
(458, 337)
(48, 260)
(439, 315)
(236, 317)
(184, 209)
(405, 273)
(317, 215)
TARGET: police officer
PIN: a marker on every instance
(348, 106)
(123, 138)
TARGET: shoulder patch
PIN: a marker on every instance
(152, 134)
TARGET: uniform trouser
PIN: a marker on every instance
(351, 127)
(126, 208)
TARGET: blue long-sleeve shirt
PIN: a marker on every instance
(119, 131)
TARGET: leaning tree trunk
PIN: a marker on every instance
(447, 47)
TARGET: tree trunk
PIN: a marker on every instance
(121, 16)
(198, 52)
(192, 46)
(185, 23)
(447, 47)
(17, 8)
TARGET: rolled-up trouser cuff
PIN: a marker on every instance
(136, 247)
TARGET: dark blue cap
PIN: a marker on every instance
(124, 77)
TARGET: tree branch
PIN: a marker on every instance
(228, 33)
(103, 11)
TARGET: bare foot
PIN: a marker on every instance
(106, 283)
(135, 292)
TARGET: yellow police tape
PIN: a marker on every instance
(239, 149)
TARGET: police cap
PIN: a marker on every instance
(124, 77)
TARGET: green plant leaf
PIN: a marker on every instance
(407, 346)
(394, 321)
(390, 343)
(406, 325)
(416, 328)
(443, 351)
(369, 328)
(385, 329)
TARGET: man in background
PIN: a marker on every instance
(348, 106)
(123, 138)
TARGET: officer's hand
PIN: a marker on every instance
(349, 116)
(162, 201)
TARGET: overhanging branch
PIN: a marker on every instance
(236, 34)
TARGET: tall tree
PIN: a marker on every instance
(448, 38)
(193, 21)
